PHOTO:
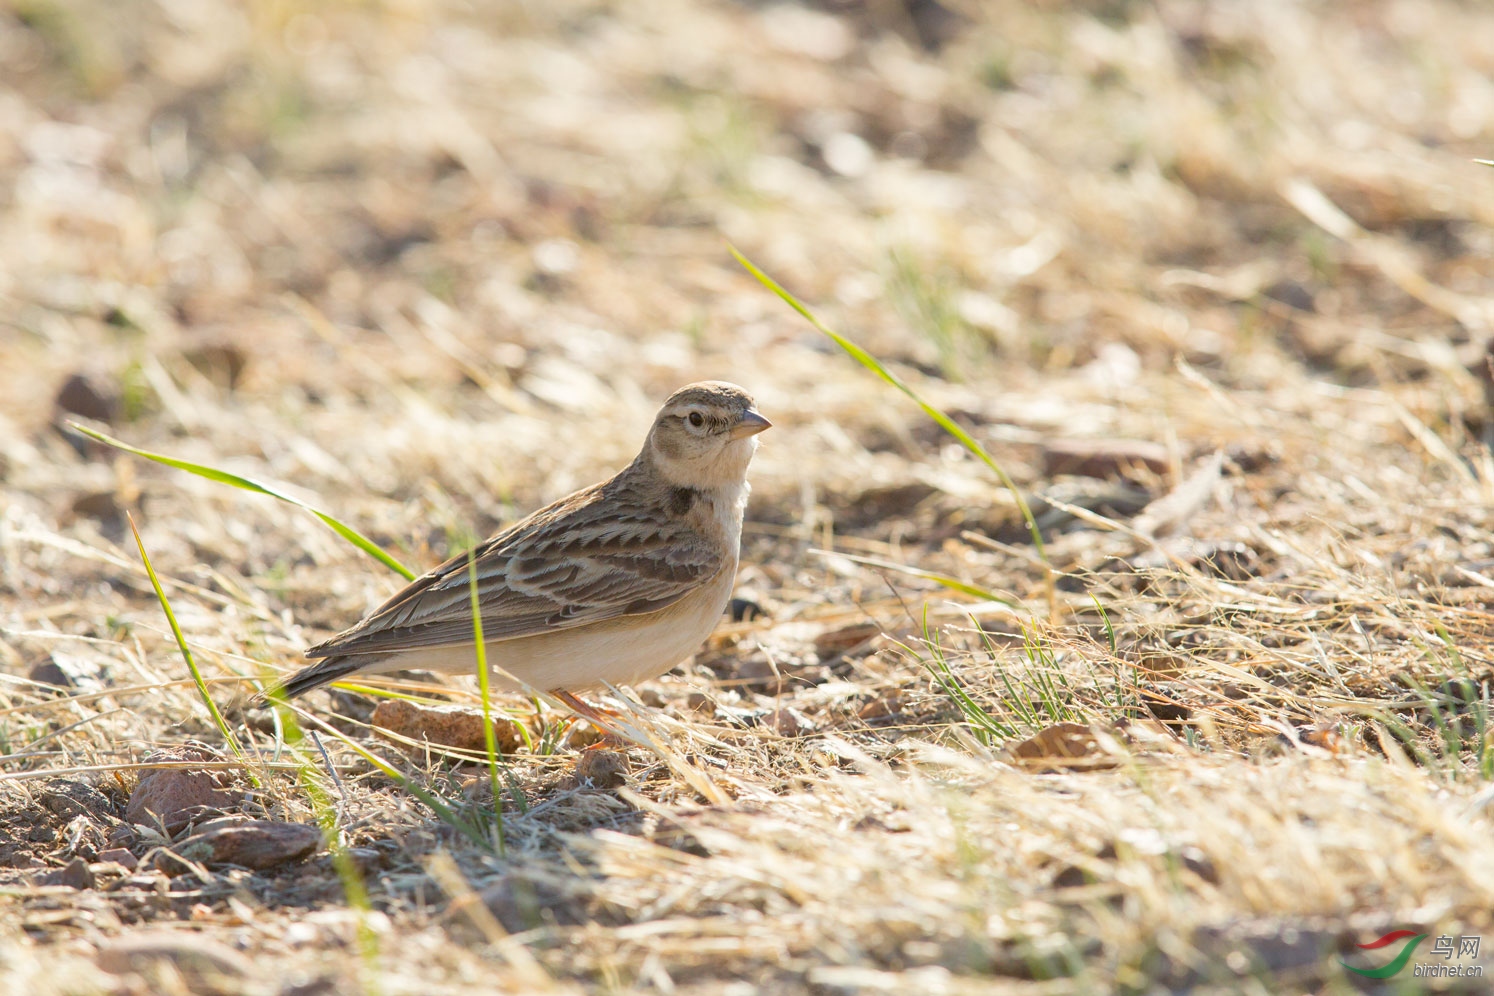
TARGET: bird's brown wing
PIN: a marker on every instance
(578, 561)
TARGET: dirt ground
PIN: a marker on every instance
(1211, 281)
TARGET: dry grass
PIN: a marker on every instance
(432, 264)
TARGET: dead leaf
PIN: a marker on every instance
(1063, 747)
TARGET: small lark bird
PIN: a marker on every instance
(616, 583)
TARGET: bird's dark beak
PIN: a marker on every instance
(752, 423)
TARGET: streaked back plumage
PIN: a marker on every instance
(665, 526)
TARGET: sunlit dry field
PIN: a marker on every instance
(1211, 282)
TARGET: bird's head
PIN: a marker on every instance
(705, 435)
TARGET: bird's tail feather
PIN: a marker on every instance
(314, 676)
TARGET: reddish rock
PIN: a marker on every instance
(121, 857)
(174, 796)
(256, 844)
(458, 727)
(75, 874)
(604, 769)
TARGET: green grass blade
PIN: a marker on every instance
(1016, 699)
(443, 812)
(489, 739)
(327, 816)
(1109, 627)
(981, 722)
(181, 642)
(948, 424)
(347, 532)
(385, 693)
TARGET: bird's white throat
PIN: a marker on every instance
(730, 503)
(724, 471)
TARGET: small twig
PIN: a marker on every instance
(342, 791)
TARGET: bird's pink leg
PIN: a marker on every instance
(598, 717)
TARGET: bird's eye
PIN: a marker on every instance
(697, 419)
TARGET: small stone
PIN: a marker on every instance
(48, 671)
(121, 857)
(603, 769)
(367, 859)
(1164, 707)
(787, 722)
(81, 395)
(256, 844)
(880, 503)
(848, 154)
(69, 672)
(1293, 295)
(882, 707)
(170, 864)
(75, 874)
(174, 796)
(522, 903)
(1200, 864)
(1072, 877)
(122, 837)
(556, 257)
(101, 506)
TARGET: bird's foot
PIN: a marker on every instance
(605, 720)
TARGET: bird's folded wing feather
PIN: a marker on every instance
(560, 568)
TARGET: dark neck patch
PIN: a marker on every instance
(681, 500)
